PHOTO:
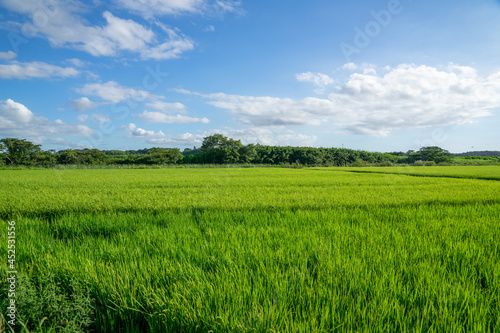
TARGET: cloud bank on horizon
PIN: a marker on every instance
(128, 74)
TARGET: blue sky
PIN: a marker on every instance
(389, 75)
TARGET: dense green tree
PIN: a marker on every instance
(68, 156)
(84, 157)
(161, 156)
(221, 149)
(19, 151)
(247, 153)
(216, 149)
(47, 159)
(92, 157)
(191, 151)
(115, 152)
(435, 154)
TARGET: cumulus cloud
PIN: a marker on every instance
(126, 34)
(112, 92)
(66, 143)
(17, 120)
(377, 101)
(100, 118)
(82, 117)
(16, 112)
(350, 66)
(82, 104)
(64, 26)
(264, 136)
(161, 139)
(167, 107)
(172, 48)
(267, 136)
(297, 140)
(409, 96)
(317, 79)
(7, 55)
(272, 111)
(36, 69)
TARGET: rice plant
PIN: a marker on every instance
(254, 250)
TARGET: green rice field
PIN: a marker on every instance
(254, 249)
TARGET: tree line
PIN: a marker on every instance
(215, 149)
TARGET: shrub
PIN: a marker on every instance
(49, 302)
(359, 163)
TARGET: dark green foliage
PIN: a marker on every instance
(161, 156)
(485, 153)
(46, 303)
(434, 154)
(84, 157)
(20, 152)
(217, 149)
(485, 158)
(427, 154)
(47, 159)
(189, 151)
(221, 149)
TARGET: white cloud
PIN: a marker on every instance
(264, 136)
(210, 28)
(66, 143)
(82, 117)
(7, 55)
(161, 139)
(100, 118)
(410, 96)
(29, 70)
(159, 117)
(167, 107)
(16, 120)
(267, 136)
(350, 66)
(273, 111)
(64, 26)
(15, 112)
(114, 93)
(126, 34)
(76, 62)
(377, 102)
(301, 140)
(318, 79)
(150, 8)
(185, 91)
(82, 104)
(170, 49)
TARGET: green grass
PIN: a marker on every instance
(256, 250)
(488, 172)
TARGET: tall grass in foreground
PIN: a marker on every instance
(254, 250)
